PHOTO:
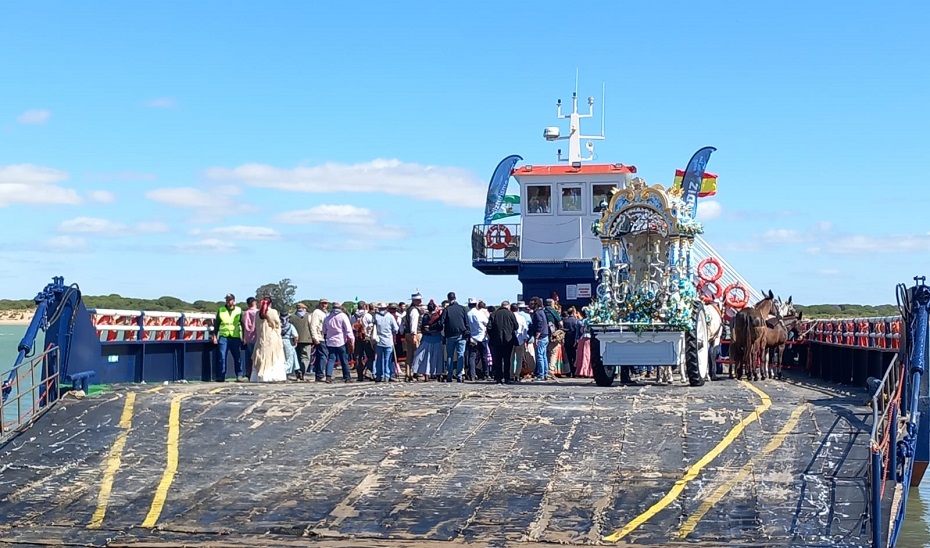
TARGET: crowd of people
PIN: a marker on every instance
(400, 342)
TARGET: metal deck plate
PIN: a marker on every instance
(440, 464)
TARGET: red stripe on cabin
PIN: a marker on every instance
(585, 169)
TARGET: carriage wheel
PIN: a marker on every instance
(696, 348)
(603, 374)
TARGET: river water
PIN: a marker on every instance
(916, 532)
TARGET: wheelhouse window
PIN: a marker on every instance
(570, 199)
(601, 193)
(538, 199)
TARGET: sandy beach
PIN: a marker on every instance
(16, 317)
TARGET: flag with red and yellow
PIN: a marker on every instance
(708, 183)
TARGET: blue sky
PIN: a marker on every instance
(191, 149)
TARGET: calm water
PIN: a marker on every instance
(916, 533)
(10, 336)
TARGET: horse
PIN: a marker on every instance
(747, 329)
(777, 329)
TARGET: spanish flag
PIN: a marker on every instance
(708, 183)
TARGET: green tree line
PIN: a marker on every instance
(283, 296)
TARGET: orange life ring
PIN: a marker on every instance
(730, 298)
(498, 237)
(709, 296)
(718, 272)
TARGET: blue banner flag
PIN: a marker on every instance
(694, 176)
(498, 186)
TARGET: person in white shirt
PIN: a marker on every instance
(478, 339)
(523, 335)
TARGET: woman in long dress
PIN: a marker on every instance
(289, 340)
(428, 358)
(268, 361)
(583, 353)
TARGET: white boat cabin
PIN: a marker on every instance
(560, 203)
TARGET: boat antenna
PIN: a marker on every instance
(574, 136)
(603, 107)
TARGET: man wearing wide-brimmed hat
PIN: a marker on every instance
(412, 332)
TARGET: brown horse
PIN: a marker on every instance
(777, 329)
(747, 330)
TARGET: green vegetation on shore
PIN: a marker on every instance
(173, 304)
(283, 295)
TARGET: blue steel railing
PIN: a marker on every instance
(898, 397)
(28, 390)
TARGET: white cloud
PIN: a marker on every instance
(120, 176)
(30, 174)
(449, 185)
(829, 272)
(358, 226)
(106, 227)
(339, 214)
(101, 196)
(876, 244)
(708, 209)
(240, 232)
(152, 227)
(30, 184)
(65, 244)
(34, 116)
(208, 206)
(161, 102)
(91, 225)
(208, 246)
(783, 236)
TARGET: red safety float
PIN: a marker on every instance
(188, 335)
(736, 296)
(709, 291)
(498, 237)
(864, 333)
(106, 320)
(717, 272)
(880, 332)
(895, 334)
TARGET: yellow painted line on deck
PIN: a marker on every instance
(695, 469)
(217, 390)
(113, 462)
(688, 527)
(171, 467)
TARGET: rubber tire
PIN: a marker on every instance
(692, 368)
(603, 375)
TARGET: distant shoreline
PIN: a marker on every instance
(16, 317)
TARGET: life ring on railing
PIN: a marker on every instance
(731, 299)
(498, 237)
(718, 270)
(709, 291)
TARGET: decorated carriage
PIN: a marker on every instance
(647, 311)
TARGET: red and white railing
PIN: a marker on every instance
(140, 325)
(881, 333)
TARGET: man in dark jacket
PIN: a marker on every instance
(539, 333)
(572, 328)
(455, 331)
(502, 330)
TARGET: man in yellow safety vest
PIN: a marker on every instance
(227, 335)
